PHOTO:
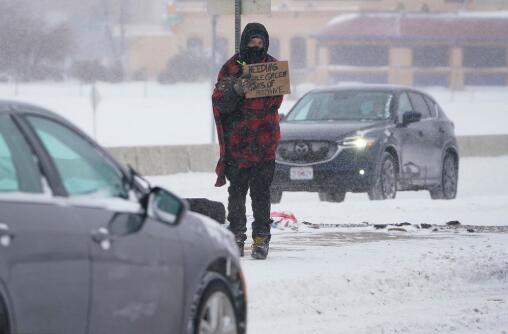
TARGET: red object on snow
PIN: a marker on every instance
(284, 219)
(284, 214)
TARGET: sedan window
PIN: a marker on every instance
(18, 168)
(343, 106)
(83, 169)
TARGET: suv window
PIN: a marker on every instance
(432, 106)
(18, 168)
(83, 169)
(420, 105)
(404, 105)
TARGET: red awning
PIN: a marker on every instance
(484, 27)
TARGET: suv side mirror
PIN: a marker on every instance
(411, 117)
(165, 206)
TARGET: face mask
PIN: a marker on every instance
(255, 55)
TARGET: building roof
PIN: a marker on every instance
(451, 28)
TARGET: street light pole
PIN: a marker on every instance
(238, 24)
(213, 68)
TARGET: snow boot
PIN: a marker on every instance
(240, 242)
(260, 247)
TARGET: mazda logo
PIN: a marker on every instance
(301, 149)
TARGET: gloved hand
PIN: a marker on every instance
(244, 84)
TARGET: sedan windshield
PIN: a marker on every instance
(343, 106)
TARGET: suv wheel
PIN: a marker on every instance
(335, 197)
(275, 196)
(385, 183)
(216, 312)
(449, 180)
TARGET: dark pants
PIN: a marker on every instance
(258, 179)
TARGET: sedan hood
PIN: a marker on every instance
(328, 131)
(214, 231)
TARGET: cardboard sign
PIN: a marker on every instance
(272, 79)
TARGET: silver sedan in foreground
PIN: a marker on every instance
(88, 246)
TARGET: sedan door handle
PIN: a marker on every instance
(103, 237)
(420, 133)
(441, 130)
(6, 235)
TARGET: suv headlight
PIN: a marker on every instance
(358, 142)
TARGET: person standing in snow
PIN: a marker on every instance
(248, 132)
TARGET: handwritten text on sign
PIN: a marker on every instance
(271, 79)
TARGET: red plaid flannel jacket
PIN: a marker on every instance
(251, 133)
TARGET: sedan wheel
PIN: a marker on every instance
(217, 314)
(385, 185)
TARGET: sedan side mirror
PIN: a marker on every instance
(166, 207)
(411, 117)
(281, 117)
(123, 224)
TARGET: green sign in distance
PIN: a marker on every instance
(249, 7)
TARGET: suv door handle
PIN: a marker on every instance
(103, 237)
(420, 133)
(6, 235)
(441, 130)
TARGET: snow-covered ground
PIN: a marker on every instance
(153, 114)
(347, 282)
(360, 280)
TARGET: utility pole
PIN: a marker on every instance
(122, 21)
(213, 67)
(238, 24)
(239, 8)
(95, 100)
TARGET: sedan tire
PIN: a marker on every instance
(216, 313)
(386, 179)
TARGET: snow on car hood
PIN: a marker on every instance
(217, 232)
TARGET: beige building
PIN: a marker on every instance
(444, 49)
(299, 29)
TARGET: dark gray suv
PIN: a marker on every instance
(87, 246)
(374, 139)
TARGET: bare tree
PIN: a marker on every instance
(29, 47)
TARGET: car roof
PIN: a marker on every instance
(366, 87)
(16, 107)
(22, 107)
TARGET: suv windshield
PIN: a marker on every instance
(343, 106)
